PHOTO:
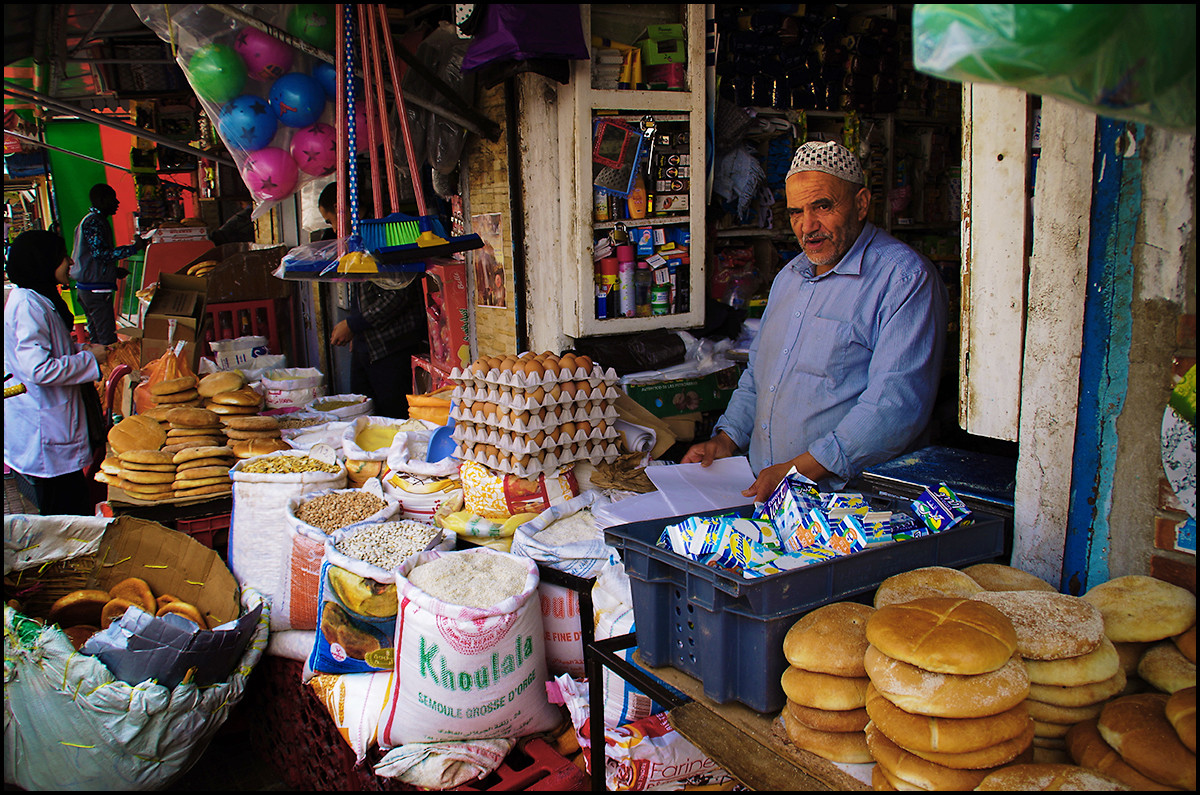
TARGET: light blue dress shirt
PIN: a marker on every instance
(845, 365)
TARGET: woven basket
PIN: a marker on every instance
(36, 590)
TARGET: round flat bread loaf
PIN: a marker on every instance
(922, 692)
(1048, 778)
(155, 456)
(183, 477)
(111, 465)
(208, 480)
(1089, 749)
(1050, 756)
(1181, 714)
(238, 436)
(1165, 668)
(218, 408)
(992, 756)
(185, 609)
(79, 607)
(998, 577)
(844, 747)
(1049, 625)
(114, 609)
(943, 634)
(130, 466)
(193, 418)
(158, 413)
(180, 397)
(206, 462)
(250, 448)
(184, 442)
(1079, 695)
(224, 381)
(1054, 713)
(1098, 665)
(1050, 729)
(256, 422)
(1140, 609)
(173, 386)
(202, 491)
(824, 691)
(237, 397)
(1130, 654)
(831, 639)
(924, 582)
(136, 590)
(147, 478)
(146, 490)
(903, 765)
(828, 720)
(175, 431)
(1186, 642)
(136, 432)
(881, 780)
(1136, 727)
(944, 735)
(212, 451)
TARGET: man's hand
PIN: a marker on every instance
(720, 446)
(100, 352)
(772, 476)
(341, 334)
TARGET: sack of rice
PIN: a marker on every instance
(312, 519)
(470, 662)
(357, 601)
(565, 537)
(263, 486)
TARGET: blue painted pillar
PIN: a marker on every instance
(1107, 339)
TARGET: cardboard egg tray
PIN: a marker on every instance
(532, 425)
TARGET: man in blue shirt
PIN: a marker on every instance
(96, 270)
(844, 371)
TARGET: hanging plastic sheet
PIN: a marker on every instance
(542, 36)
(1129, 62)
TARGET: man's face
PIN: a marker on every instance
(108, 204)
(827, 215)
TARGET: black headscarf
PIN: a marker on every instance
(32, 259)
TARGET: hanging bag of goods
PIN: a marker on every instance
(358, 601)
(312, 519)
(259, 545)
(470, 661)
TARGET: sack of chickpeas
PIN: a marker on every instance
(312, 519)
(258, 536)
(357, 600)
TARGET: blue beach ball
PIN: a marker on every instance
(247, 123)
(298, 99)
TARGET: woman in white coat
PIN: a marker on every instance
(45, 429)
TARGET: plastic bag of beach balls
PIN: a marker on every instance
(274, 106)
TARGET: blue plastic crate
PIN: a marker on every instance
(727, 631)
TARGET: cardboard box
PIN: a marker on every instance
(176, 314)
(173, 563)
(449, 313)
(245, 273)
(685, 395)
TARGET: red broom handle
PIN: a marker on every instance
(402, 112)
(365, 38)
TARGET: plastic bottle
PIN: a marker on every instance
(641, 290)
(636, 203)
(625, 277)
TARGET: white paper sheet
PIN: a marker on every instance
(692, 488)
(640, 508)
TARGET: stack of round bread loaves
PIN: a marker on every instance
(1145, 740)
(192, 427)
(925, 581)
(826, 682)
(144, 474)
(175, 392)
(203, 471)
(1073, 668)
(227, 393)
(251, 435)
(946, 694)
(1153, 624)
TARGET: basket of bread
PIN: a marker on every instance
(127, 645)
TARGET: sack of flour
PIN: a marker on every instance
(470, 660)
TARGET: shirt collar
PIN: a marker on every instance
(851, 263)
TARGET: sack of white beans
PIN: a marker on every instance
(357, 601)
(470, 662)
(312, 519)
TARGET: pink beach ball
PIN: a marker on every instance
(270, 173)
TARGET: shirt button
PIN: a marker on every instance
(772, 389)
(785, 350)
(797, 314)
(764, 426)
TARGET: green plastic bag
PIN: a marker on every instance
(1129, 62)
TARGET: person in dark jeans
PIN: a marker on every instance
(97, 268)
(385, 329)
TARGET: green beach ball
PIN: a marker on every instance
(217, 73)
(313, 23)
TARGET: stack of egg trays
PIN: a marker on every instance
(513, 423)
